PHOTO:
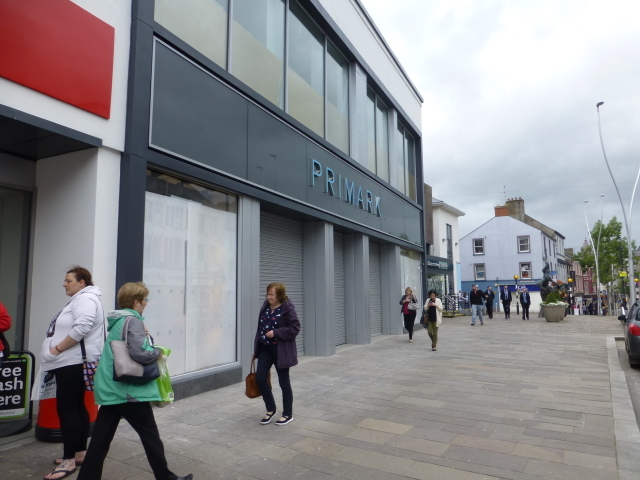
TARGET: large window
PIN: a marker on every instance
(479, 271)
(478, 246)
(404, 171)
(257, 46)
(200, 23)
(449, 241)
(190, 251)
(337, 98)
(305, 70)
(410, 270)
(523, 244)
(377, 136)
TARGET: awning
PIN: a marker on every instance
(27, 136)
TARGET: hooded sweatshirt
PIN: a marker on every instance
(81, 318)
(106, 390)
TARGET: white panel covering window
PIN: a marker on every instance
(190, 269)
(337, 98)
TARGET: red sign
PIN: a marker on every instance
(59, 49)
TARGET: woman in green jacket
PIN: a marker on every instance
(126, 400)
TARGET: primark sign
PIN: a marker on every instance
(340, 187)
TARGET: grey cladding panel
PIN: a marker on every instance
(276, 155)
(339, 288)
(196, 116)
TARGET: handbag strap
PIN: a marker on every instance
(252, 369)
(84, 351)
(125, 329)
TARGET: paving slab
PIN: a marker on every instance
(511, 400)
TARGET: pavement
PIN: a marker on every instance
(513, 399)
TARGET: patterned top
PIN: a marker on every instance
(268, 321)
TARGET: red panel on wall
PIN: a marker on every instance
(59, 49)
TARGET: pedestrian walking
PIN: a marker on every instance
(5, 324)
(275, 344)
(525, 303)
(475, 298)
(130, 401)
(409, 309)
(77, 329)
(590, 308)
(433, 306)
(505, 298)
(489, 296)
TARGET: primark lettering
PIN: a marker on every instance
(343, 189)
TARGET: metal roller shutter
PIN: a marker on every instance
(281, 262)
(375, 314)
(339, 288)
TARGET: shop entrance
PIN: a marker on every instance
(15, 213)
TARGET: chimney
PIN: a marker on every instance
(516, 208)
(502, 211)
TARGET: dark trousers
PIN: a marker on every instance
(507, 309)
(409, 321)
(525, 310)
(489, 309)
(140, 417)
(268, 356)
(74, 418)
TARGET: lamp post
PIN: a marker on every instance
(516, 277)
(595, 250)
(570, 281)
(627, 223)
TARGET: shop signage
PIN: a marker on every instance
(14, 387)
(440, 265)
(340, 187)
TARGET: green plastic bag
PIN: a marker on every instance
(164, 381)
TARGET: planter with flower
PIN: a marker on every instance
(553, 308)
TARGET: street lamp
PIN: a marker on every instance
(570, 281)
(627, 223)
(595, 250)
(516, 277)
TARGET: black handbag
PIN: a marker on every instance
(125, 368)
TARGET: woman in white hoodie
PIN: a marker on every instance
(80, 321)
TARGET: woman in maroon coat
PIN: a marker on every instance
(5, 324)
(275, 344)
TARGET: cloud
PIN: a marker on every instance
(510, 90)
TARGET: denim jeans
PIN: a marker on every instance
(476, 310)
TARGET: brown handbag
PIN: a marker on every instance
(251, 382)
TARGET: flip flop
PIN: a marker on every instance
(56, 471)
(58, 461)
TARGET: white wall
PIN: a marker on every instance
(116, 13)
(353, 22)
(76, 215)
(442, 217)
(501, 257)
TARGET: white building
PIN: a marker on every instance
(445, 245)
(509, 244)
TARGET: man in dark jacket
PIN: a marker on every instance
(505, 298)
(488, 298)
(525, 301)
(475, 298)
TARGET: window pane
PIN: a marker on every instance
(371, 130)
(190, 269)
(480, 274)
(200, 23)
(397, 179)
(410, 166)
(525, 270)
(305, 70)
(257, 55)
(382, 141)
(337, 99)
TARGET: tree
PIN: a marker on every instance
(612, 250)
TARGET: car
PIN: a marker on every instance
(631, 329)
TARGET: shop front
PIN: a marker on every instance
(439, 275)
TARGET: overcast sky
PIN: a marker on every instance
(510, 90)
